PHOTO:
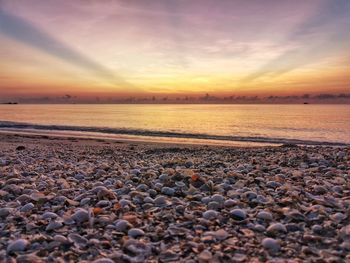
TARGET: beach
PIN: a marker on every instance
(73, 199)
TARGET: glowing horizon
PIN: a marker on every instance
(166, 47)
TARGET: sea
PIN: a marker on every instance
(307, 124)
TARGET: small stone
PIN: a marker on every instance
(142, 188)
(238, 214)
(80, 216)
(136, 232)
(317, 229)
(49, 215)
(168, 191)
(17, 245)
(230, 203)
(188, 164)
(206, 200)
(160, 201)
(250, 195)
(163, 178)
(79, 176)
(61, 239)
(122, 225)
(214, 205)
(272, 184)
(78, 240)
(264, 215)
(338, 217)
(148, 200)
(85, 201)
(27, 207)
(270, 244)
(20, 148)
(135, 171)
(210, 214)
(53, 225)
(221, 234)
(276, 228)
(103, 260)
(103, 203)
(218, 198)
(205, 256)
(4, 212)
(320, 190)
(259, 228)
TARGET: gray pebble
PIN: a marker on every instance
(27, 207)
(168, 191)
(238, 214)
(213, 205)
(80, 216)
(17, 245)
(264, 215)
(53, 225)
(136, 232)
(218, 198)
(276, 228)
(270, 244)
(122, 225)
(49, 215)
(103, 260)
(210, 214)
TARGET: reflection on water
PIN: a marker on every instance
(306, 122)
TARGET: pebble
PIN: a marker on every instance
(4, 212)
(264, 215)
(122, 225)
(78, 240)
(210, 214)
(27, 207)
(205, 256)
(168, 191)
(80, 216)
(136, 232)
(275, 229)
(218, 198)
(53, 225)
(103, 260)
(160, 201)
(270, 244)
(49, 215)
(17, 245)
(213, 205)
(238, 214)
(163, 178)
(230, 203)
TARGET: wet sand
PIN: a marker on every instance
(73, 199)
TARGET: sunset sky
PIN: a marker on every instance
(173, 47)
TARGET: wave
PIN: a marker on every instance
(20, 126)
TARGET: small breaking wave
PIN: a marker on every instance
(20, 126)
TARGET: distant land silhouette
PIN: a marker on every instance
(173, 99)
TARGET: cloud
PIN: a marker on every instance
(25, 32)
(319, 35)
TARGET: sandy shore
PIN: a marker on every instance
(68, 199)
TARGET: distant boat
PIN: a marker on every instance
(10, 103)
(306, 103)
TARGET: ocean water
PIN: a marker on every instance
(249, 123)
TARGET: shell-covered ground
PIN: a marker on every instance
(66, 200)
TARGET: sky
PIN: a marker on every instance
(121, 48)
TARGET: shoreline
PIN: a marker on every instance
(154, 136)
(93, 200)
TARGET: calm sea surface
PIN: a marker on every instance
(322, 123)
